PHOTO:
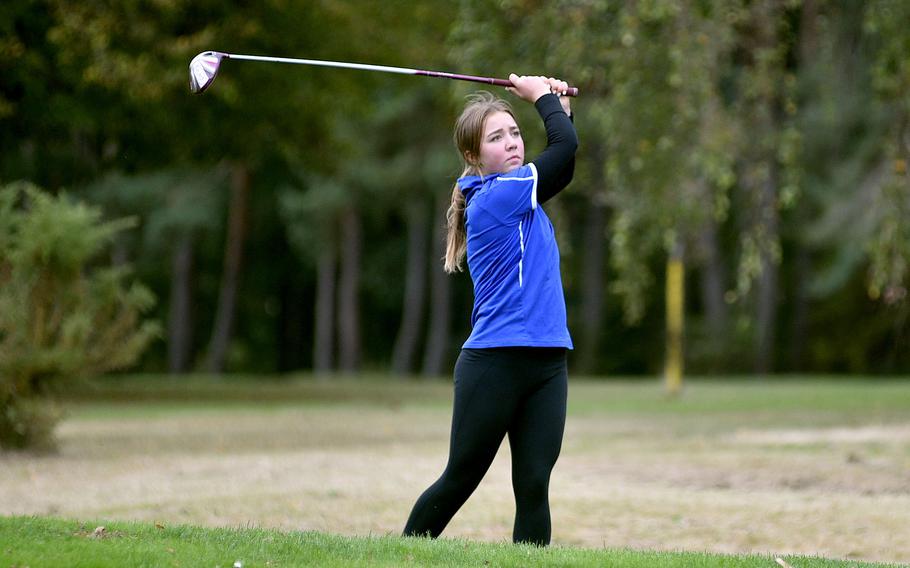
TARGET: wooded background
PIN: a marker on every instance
(292, 217)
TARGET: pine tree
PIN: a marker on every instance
(62, 314)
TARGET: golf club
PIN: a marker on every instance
(204, 68)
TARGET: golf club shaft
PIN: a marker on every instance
(572, 91)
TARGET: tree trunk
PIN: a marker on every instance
(766, 128)
(348, 296)
(324, 324)
(233, 263)
(408, 339)
(713, 288)
(593, 288)
(766, 308)
(800, 324)
(766, 317)
(290, 324)
(808, 53)
(675, 309)
(180, 320)
(434, 357)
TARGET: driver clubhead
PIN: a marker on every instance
(204, 69)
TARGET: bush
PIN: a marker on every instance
(28, 422)
(61, 316)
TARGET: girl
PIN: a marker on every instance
(510, 377)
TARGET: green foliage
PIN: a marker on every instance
(61, 316)
(889, 243)
(664, 81)
(686, 107)
(311, 214)
(175, 200)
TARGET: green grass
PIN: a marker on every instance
(793, 401)
(31, 541)
(699, 395)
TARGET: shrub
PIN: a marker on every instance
(63, 315)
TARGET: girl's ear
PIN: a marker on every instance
(470, 158)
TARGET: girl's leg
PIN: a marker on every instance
(535, 438)
(481, 414)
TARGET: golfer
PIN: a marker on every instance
(510, 377)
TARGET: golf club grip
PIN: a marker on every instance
(572, 91)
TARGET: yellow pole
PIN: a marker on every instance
(675, 296)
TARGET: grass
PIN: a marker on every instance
(715, 395)
(797, 465)
(31, 541)
(719, 402)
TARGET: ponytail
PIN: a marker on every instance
(467, 137)
(456, 235)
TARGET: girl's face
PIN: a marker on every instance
(501, 148)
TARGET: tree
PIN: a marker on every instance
(847, 226)
(237, 225)
(61, 317)
(438, 327)
(769, 173)
(135, 61)
(669, 161)
(310, 209)
(889, 246)
(179, 208)
(754, 151)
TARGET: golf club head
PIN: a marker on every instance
(204, 69)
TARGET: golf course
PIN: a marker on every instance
(477, 283)
(302, 471)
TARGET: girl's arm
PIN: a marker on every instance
(556, 164)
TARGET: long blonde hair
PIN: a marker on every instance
(468, 136)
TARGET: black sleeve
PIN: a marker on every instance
(556, 164)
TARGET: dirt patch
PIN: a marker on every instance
(873, 434)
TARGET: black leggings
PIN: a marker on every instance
(516, 391)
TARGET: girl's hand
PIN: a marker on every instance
(529, 87)
(560, 88)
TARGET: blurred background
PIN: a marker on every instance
(744, 161)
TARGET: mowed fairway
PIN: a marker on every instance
(786, 466)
